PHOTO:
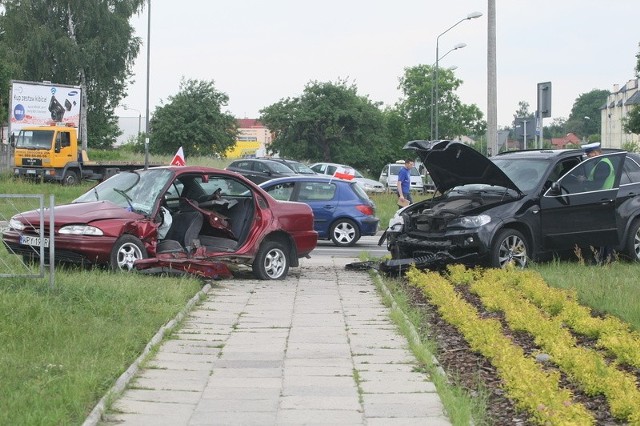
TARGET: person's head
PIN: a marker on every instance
(408, 163)
(592, 149)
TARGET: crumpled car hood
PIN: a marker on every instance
(453, 163)
(82, 213)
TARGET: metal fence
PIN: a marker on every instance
(14, 265)
(6, 157)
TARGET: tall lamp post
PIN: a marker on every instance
(451, 68)
(146, 134)
(127, 108)
(472, 15)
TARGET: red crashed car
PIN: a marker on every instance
(197, 220)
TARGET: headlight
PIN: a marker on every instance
(80, 230)
(471, 221)
(16, 224)
(396, 223)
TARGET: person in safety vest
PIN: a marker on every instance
(602, 174)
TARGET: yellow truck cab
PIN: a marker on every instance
(51, 153)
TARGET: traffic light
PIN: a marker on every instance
(544, 99)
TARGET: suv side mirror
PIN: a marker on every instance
(555, 188)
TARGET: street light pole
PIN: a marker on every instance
(451, 68)
(524, 137)
(472, 15)
(146, 134)
(127, 107)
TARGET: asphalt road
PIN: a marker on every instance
(365, 244)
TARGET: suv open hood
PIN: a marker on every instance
(453, 163)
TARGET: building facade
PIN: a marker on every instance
(253, 138)
(620, 101)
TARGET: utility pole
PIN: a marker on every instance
(492, 90)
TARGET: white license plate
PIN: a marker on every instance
(31, 172)
(33, 241)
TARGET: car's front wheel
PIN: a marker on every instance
(633, 241)
(125, 251)
(509, 248)
(344, 233)
(271, 262)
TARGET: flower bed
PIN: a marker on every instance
(529, 305)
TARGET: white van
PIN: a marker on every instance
(389, 177)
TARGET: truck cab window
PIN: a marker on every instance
(65, 139)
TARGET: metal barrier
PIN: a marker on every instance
(6, 157)
(14, 265)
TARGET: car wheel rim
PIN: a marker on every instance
(344, 233)
(512, 251)
(128, 254)
(636, 244)
(275, 263)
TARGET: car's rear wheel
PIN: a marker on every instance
(509, 248)
(344, 233)
(271, 262)
(633, 241)
(125, 251)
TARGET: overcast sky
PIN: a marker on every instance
(259, 52)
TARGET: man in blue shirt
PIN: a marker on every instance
(404, 184)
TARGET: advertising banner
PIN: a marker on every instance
(43, 104)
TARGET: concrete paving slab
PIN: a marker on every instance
(284, 352)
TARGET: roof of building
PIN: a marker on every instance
(634, 99)
(249, 123)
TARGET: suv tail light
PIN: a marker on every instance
(364, 209)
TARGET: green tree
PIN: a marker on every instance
(585, 119)
(632, 121)
(193, 119)
(454, 118)
(78, 42)
(329, 122)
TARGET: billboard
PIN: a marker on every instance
(43, 104)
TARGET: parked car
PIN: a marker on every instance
(259, 170)
(194, 219)
(342, 211)
(369, 185)
(517, 206)
(389, 177)
(296, 166)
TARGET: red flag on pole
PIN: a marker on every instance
(346, 173)
(178, 159)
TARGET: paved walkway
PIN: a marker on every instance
(317, 348)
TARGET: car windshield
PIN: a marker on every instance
(301, 168)
(525, 173)
(279, 167)
(136, 191)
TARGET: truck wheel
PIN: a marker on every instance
(125, 251)
(70, 178)
(271, 262)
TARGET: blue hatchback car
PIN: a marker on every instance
(342, 210)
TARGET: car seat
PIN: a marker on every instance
(185, 228)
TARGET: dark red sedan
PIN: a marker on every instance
(197, 220)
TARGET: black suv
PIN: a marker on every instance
(260, 170)
(517, 206)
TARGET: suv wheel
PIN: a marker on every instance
(509, 247)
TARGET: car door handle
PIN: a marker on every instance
(605, 202)
(329, 207)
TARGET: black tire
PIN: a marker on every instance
(509, 247)
(344, 233)
(70, 178)
(272, 261)
(125, 251)
(632, 248)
